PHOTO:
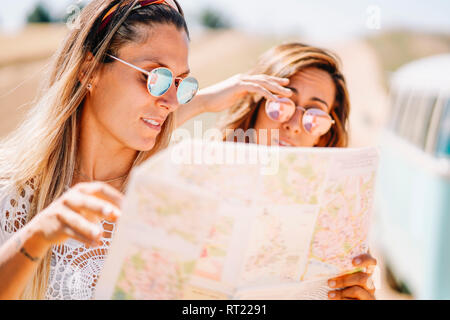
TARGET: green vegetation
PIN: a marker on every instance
(212, 19)
(40, 14)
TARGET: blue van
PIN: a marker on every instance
(412, 207)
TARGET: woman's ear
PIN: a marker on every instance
(83, 75)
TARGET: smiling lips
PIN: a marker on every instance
(152, 123)
(283, 143)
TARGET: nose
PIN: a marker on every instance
(294, 123)
(169, 100)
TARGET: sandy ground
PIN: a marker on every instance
(214, 57)
(369, 100)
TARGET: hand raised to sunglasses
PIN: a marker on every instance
(228, 92)
(225, 94)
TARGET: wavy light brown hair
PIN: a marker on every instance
(45, 145)
(285, 61)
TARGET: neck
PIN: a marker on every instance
(101, 156)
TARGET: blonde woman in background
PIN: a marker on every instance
(315, 83)
(299, 91)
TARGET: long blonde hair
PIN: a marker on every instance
(44, 146)
(285, 61)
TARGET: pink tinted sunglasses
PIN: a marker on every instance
(315, 121)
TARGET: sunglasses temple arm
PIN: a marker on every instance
(130, 65)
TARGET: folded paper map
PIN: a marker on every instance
(223, 220)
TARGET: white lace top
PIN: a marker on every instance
(74, 268)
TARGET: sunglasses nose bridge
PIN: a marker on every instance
(170, 98)
(294, 123)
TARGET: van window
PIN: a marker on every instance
(399, 101)
(412, 120)
(443, 142)
(423, 119)
(404, 116)
(411, 116)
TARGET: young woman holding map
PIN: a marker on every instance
(299, 91)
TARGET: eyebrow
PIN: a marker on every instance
(320, 100)
(313, 98)
(155, 61)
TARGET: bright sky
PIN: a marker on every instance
(315, 19)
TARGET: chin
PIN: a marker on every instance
(149, 146)
(144, 146)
